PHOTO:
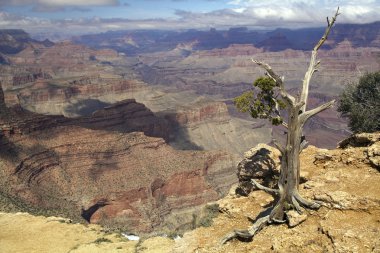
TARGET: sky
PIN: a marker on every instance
(93, 16)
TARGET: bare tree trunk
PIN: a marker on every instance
(289, 197)
(290, 167)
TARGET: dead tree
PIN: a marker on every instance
(266, 105)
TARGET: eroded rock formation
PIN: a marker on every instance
(97, 167)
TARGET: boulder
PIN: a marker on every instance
(360, 140)
(261, 163)
(373, 153)
(370, 142)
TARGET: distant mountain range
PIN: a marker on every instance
(134, 42)
(145, 41)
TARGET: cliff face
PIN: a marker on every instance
(13, 40)
(229, 71)
(119, 180)
(97, 167)
(198, 113)
(3, 106)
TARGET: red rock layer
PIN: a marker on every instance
(106, 174)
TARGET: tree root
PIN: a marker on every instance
(249, 233)
(262, 187)
(306, 203)
(277, 214)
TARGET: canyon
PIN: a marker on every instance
(105, 169)
(139, 136)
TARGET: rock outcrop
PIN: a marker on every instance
(261, 163)
(343, 179)
(369, 142)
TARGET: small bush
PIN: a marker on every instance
(211, 211)
(360, 103)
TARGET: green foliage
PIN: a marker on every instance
(360, 103)
(243, 101)
(264, 104)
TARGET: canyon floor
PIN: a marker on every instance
(345, 179)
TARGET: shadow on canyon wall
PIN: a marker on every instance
(86, 107)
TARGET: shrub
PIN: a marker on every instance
(360, 103)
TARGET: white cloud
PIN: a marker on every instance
(307, 11)
(251, 13)
(77, 2)
(60, 2)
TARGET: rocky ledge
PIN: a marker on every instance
(345, 180)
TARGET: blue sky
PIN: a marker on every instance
(89, 16)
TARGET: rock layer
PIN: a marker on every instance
(109, 174)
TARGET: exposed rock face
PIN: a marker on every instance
(110, 175)
(198, 113)
(230, 71)
(360, 140)
(13, 40)
(232, 51)
(70, 57)
(126, 116)
(3, 106)
(80, 73)
(139, 42)
(261, 163)
(371, 144)
(128, 180)
(21, 79)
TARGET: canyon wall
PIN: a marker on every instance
(98, 167)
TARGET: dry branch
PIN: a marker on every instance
(313, 64)
(305, 116)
